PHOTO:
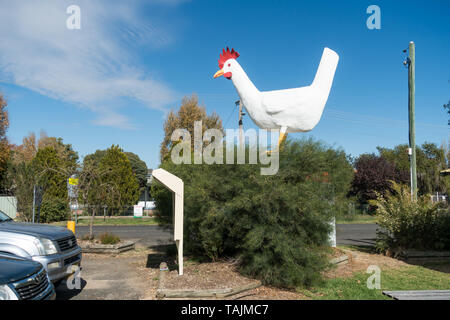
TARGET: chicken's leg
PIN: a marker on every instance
(281, 138)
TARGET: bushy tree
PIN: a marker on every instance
(430, 161)
(139, 168)
(46, 162)
(189, 112)
(277, 226)
(121, 175)
(54, 209)
(51, 173)
(107, 179)
(20, 182)
(410, 224)
(373, 175)
(93, 191)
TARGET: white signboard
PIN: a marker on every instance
(138, 211)
(176, 185)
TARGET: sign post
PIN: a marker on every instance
(72, 190)
(176, 185)
(137, 210)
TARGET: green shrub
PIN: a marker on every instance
(54, 209)
(108, 238)
(276, 225)
(408, 224)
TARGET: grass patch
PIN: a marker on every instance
(113, 221)
(404, 278)
(356, 219)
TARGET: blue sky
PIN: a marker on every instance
(113, 81)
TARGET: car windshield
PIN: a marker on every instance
(4, 217)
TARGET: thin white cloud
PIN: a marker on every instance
(93, 67)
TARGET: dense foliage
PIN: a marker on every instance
(46, 163)
(406, 223)
(276, 225)
(374, 172)
(107, 179)
(138, 167)
(54, 209)
(120, 175)
(431, 159)
(373, 175)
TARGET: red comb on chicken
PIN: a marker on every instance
(225, 55)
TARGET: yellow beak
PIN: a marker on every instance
(218, 73)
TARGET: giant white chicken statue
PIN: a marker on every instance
(289, 110)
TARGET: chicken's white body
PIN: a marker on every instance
(290, 110)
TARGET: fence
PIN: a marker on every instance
(101, 211)
(439, 197)
(8, 205)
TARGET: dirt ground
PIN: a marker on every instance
(224, 275)
(134, 275)
(359, 261)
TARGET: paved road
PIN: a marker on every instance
(149, 236)
(356, 234)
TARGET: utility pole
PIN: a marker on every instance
(411, 61)
(241, 127)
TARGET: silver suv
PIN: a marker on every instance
(54, 247)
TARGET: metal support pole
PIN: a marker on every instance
(241, 132)
(34, 200)
(411, 111)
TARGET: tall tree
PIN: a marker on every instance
(120, 174)
(93, 192)
(189, 112)
(51, 172)
(47, 162)
(139, 168)
(110, 178)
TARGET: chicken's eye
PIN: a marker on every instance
(229, 64)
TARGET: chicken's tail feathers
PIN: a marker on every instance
(325, 73)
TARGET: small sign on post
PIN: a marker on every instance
(138, 210)
(73, 181)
